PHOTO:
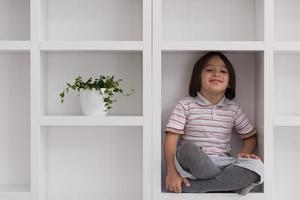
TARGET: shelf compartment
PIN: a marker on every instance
(15, 20)
(282, 120)
(101, 20)
(14, 46)
(286, 23)
(217, 196)
(286, 83)
(92, 46)
(228, 20)
(89, 162)
(91, 121)
(176, 69)
(212, 46)
(286, 151)
(59, 68)
(15, 120)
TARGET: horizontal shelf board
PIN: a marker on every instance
(286, 46)
(91, 121)
(211, 196)
(91, 46)
(12, 46)
(286, 120)
(211, 46)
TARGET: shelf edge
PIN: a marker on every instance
(14, 46)
(210, 196)
(91, 45)
(213, 45)
(91, 121)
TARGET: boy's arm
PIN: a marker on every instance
(248, 148)
(171, 140)
(173, 179)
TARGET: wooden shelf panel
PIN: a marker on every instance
(91, 121)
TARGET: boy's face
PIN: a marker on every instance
(214, 77)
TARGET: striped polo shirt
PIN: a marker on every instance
(209, 126)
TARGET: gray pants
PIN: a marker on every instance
(209, 177)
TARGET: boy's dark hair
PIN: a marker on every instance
(195, 83)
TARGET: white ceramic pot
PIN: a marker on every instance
(91, 102)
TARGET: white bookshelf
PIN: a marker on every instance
(286, 96)
(48, 150)
(81, 157)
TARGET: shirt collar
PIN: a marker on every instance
(204, 102)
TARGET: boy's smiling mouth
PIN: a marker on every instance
(216, 81)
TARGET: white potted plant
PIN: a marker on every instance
(95, 94)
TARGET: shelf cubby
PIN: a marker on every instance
(15, 123)
(94, 20)
(286, 164)
(286, 20)
(15, 20)
(230, 20)
(61, 67)
(92, 163)
(286, 83)
(176, 69)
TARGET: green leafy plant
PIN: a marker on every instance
(108, 83)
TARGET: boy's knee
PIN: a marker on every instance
(189, 149)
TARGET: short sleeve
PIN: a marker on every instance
(243, 125)
(177, 119)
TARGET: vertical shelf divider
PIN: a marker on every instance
(147, 101)
(156, 98)
(268, 100)
(35, 88)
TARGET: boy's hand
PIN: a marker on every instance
(174, 181)
(248, 155)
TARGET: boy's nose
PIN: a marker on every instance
(216, 73)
